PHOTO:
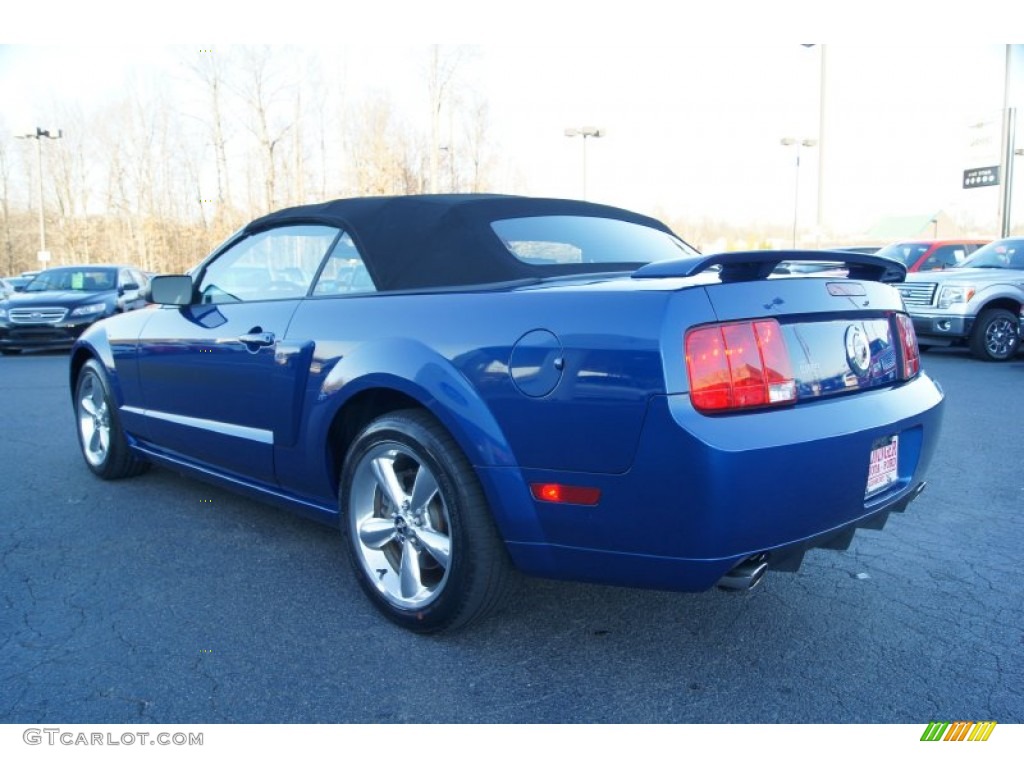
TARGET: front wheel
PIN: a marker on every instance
(104, 446)
(995, 335)
(417, 527)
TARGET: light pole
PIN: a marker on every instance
(587, 132)
(789, 141)
(39, 135)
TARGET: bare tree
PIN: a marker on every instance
(211, 69)
(478, 134)
(383, 161)
(442, 68)
(5, 209)
(261, 86)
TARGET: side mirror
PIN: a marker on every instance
(174, 290)
(126, 288)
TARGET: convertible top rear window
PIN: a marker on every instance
(586, 240)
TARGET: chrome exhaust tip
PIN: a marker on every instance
(912, 496)
(746, 575)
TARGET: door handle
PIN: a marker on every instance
(257, 339)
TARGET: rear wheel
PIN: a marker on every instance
(104, 446)
(417, 527)
(995, 335)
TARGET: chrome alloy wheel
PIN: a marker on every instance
(1001, 338)
(400, 520)
(93, 420)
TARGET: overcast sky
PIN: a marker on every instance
(690, 127)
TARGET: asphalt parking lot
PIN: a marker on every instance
(163, 600)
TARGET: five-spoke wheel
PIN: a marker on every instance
(104, 446)
(401, 524)
(420, 535)
(93, 419)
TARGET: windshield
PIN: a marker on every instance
(74, 279)
(586, 240)
(1002, 254)
(908, 253)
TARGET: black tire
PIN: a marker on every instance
(417, 528)
(995, 336)
(100, 437)
(10, 351)
(923, 347)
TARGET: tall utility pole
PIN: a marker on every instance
(789, 141)
(819, 229)
(587, 131)
(1006, 155)
(39, 135)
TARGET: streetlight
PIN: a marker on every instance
(587, 132)
(822, 111)
(39, 135)
(789, 141)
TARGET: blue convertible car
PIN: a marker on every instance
(470, 384)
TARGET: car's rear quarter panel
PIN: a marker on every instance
(451, 352)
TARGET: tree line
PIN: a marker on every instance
(159, 175)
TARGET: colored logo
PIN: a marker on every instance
(961, 730)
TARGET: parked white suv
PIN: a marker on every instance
(977, 304)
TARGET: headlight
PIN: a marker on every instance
(3, 313)
(955, 294)
(89, 309)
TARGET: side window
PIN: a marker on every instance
(276, 264)
(945, 257)
(344, 271)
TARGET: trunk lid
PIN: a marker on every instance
(841, 334)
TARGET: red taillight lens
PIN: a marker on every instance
(908, 343)
(739, 365)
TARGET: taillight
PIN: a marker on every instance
(739, 365)
(908, 343)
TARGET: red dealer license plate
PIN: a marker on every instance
(883, 466)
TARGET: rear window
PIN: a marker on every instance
(586, 240)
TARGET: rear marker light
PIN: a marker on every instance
(739, 365)
(556, 493)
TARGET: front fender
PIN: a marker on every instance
(94, 343)
(113, 341)
(997, 292)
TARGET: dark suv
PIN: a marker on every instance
(53, 310)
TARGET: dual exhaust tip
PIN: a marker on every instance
(749, 573)
(746, 575)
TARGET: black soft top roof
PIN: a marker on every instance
(428, 241)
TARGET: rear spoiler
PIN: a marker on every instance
(741, 266)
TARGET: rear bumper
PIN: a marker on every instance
(705, 494)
